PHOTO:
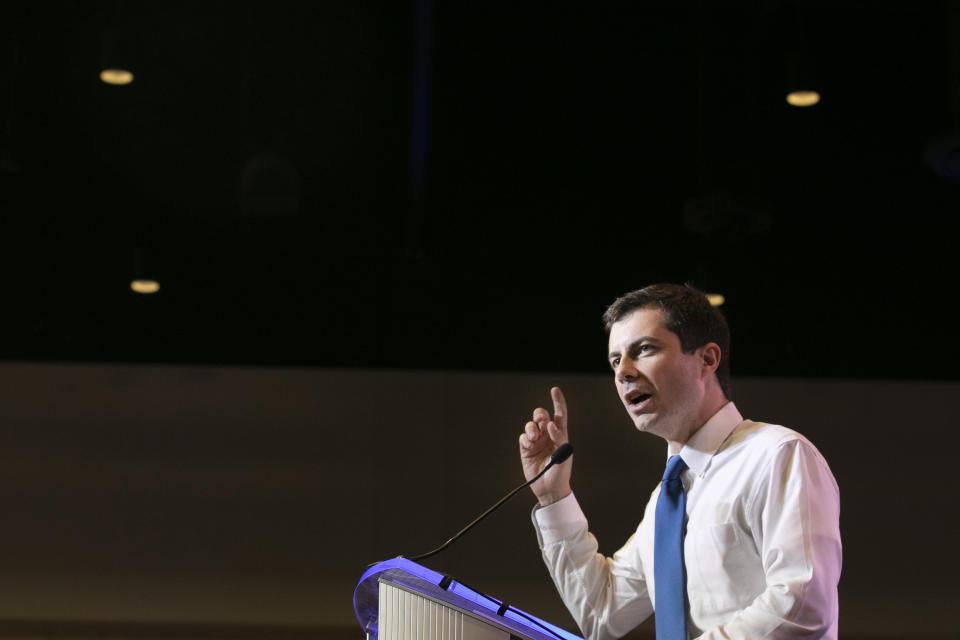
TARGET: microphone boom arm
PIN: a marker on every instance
(559, 456)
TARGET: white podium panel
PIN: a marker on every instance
(409, 616)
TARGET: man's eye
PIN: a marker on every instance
(615, 363)
(646, 348)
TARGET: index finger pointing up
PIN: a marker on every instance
(559, 408)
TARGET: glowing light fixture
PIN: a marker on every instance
(716, 299)
(145, 286)
(803, 98)
(116, 76)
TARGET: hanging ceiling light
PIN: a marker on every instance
(801, 81)
(801, 64)
(803, 98)
(116, 57)
(142, 281)
(144, 286)
(116, 76)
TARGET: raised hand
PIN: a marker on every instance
(540, 437)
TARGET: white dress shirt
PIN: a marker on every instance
(762, 546)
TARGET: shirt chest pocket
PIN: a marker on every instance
(723, 568)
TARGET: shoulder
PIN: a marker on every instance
(766, 445)
(763, 437)
(781, 459)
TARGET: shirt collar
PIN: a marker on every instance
(703, 444)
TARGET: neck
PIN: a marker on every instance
(711, 405)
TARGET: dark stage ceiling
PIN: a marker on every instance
(468, 184)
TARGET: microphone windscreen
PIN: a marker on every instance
(563, 452)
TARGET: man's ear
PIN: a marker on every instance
(710, 356)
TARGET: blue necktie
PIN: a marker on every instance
(669, 573)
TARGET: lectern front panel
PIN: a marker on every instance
(409, 616)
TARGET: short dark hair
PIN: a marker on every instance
(687, 313)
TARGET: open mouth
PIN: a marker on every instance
(637, 398)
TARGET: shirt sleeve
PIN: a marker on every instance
(795, 513)
(606, 596)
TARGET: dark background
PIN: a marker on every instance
(468, 185)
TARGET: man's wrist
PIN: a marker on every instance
(548, 499)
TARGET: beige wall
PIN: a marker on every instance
(240, 496)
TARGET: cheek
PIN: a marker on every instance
(674, 383)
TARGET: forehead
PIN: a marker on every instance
(642, 323)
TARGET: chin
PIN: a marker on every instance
(643, 424)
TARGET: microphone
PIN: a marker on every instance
(559, 456)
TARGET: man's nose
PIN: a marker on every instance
(626, 370)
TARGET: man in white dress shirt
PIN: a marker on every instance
(761, 547)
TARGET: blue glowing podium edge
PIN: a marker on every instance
(430, 584)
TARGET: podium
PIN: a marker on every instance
(401, 600)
